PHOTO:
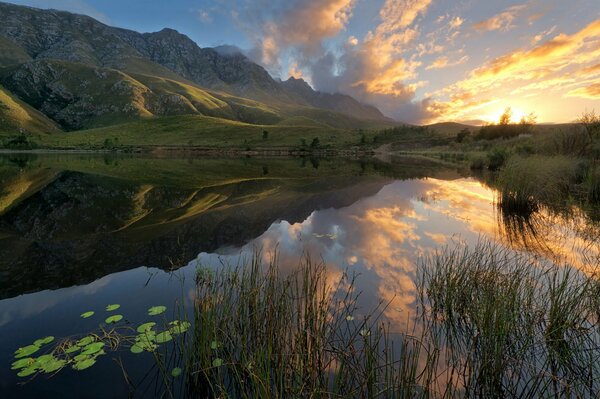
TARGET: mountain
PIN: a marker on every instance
(72, 71)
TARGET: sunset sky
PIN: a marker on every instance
(419, 61)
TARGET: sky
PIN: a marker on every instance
(418, 61)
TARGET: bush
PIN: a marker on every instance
(525, 180)
(477, 163)
(497, 158)
(21, 142)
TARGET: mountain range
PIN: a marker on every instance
(66, 72)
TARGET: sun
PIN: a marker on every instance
(516, 115)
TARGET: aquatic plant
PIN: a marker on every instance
(82, 352)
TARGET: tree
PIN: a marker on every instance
(527, 123)
(506, 117)
(315, 143)
(590, 122)
(462, 135)
(265, 135)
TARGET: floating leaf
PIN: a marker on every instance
(26, 351)
(179, 327)
(136, 349)
(21, 363)
(217, 362)
(54, 365)
(146, 327)
(81, 357)
(40, 361)
(114, 319)
(214, 345)
(110, 308)
(163, 337)
(93, 348)
(43, 341)
(27, 372)
(176, 372)
(72, 349)
(86, 341)
(84, 364)
(87, 315)
(156, 310)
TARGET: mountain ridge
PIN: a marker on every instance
(44, 52)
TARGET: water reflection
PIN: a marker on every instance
(93, 222)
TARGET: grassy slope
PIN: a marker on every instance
(15, 114)
(203, 131)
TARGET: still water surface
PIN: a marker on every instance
(79, 232)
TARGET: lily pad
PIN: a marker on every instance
(81, 357)
(72, 349)
(146, 327)
(87, 315)
(42, 360)
(22, 363)
(111, 308)
(93, 348)
(43, 341)
(217, 362)
(176, 372)
(136, 349)
(54, 365)
(84, 364)
(163, 337)
(26, 351)
(27, 372)
(114, 319)
(156, 310)
(85, 341)
(214, 345)
(179, 327)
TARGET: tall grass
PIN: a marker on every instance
(513, 326)
(491, 322)
(259, 333)
(525, 181)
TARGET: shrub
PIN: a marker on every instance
(525, 180)
(477, 163)
(496, 158)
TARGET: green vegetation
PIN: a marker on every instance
(511, 326)
(260, 333)
(83, 351)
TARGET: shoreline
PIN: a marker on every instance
(205, 151)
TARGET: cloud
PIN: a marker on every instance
(502, 21)
(204, 16)
(75, 6)
(456, 23)
(555, 64)
(591, 92)
(444, 62)
(301, 25)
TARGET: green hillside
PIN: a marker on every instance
(200, 131)
(15, 115)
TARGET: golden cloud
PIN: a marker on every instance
(555, 64)
(502, 21)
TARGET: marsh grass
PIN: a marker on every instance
(489, 322)
(260, 333)
(512, 325)
(525, 181)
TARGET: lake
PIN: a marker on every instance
(79, 232)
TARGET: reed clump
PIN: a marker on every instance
(260, 333)
(512, 326)
(525, 181)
